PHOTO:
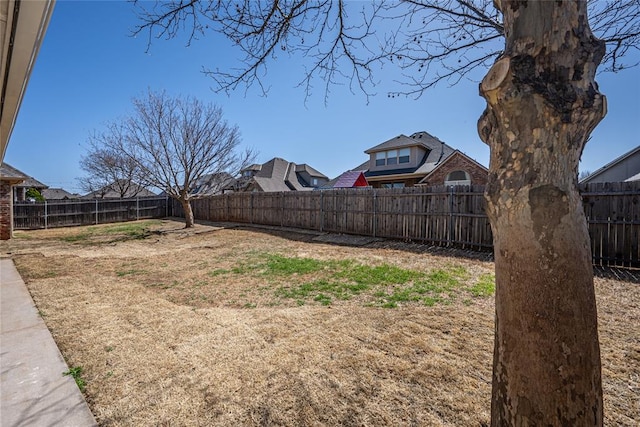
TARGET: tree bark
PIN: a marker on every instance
(542, 104)
(188, 213)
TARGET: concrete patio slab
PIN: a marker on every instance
(33, 389)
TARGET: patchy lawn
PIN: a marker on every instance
(216, 326)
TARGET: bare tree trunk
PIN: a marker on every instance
(542, 104)
(188, 213)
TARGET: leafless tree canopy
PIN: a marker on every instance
(431, 41)
(170, 144)
(177, 141)
(108, 170)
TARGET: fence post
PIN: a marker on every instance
(281, 208)
(321, 210)
(137, 208)
(45, 215)
(251, 209)
(375, 209)
(166, 206)
(450, 231)
(96, 211)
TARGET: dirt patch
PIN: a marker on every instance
(177, 327)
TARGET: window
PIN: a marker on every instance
(393, 157)
(403, 155)
(392, 185)
(458, 178)
(314, 182)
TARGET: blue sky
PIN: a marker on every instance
(89, 68)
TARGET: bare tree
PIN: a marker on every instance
(176, 142)
(108, 170)
(542, 104)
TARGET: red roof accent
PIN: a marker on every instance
(351, 179)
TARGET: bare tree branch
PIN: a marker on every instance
(430, 41)
(108, 170)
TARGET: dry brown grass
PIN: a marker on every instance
(166, 334)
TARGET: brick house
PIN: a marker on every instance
(419, 159)
(457, 169)
(7, 181)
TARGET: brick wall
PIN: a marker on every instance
(6, 211)
(457, 161)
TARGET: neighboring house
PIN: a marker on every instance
(419, 159)
(20, 189)
(348, 179)
(58, 194)
(212, 184)
(624, 168)
(119, 190)
(279, 175)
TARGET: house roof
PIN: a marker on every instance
(281, 175)
(212, 183)
(58, 194)
(107, 192)
(273, 175)
(611, 164)
(253, 167)
(311, 171)
(423, 139)
(350, 179)
(10, 173)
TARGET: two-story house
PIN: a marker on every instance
(419, 159)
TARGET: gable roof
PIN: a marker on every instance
(10, 173)
(449, 159)
(351, 179)
(612, 164)
(422, 139)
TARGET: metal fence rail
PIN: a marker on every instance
(51, 214)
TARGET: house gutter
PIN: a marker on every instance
(394, 177)
(23, 25)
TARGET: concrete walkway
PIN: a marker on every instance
(33, 391)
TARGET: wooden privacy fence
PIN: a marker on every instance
(435, 215)
(444, 216)
(613, 214)
(63, 213)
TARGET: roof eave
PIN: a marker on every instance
(21, 34)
